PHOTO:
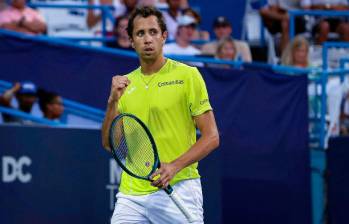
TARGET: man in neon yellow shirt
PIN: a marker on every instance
(172, 100)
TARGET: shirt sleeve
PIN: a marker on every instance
(4, 17)
(198, 100)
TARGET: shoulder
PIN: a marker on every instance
(133, 74)
(241, 44)
(184, 70)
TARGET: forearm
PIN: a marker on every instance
(329, 7)
(92, 19)
(273, 12)
(204, 146)
(110, 114)
(15, 27)
(37, 28)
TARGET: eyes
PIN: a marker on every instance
(152, 32)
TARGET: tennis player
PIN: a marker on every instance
(172, 100)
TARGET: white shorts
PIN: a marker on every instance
(158, 207)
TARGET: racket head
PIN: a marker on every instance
(133, 147)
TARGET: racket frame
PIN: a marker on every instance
(156, 164)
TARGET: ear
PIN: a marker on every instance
(164, 37)
(132, 43)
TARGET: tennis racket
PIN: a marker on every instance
(133, 147)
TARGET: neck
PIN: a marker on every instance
(152, 66)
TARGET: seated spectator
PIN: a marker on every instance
(50, 104)
(182, 45)
(276, 18)
(94, 16)
(198, 34)
(326, 25)
(296, 53)
(343, 32)
(222, 29)
(18, 17)
(120, 33)
(26, 95)
(171, 16)
(226, 50)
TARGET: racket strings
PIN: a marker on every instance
(133, 147)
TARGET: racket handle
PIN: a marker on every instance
(176, 199)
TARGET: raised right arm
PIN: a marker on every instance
(118, 86)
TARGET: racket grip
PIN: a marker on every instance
(176, 199)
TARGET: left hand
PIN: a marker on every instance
(166, 171)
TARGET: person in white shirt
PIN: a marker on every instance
(182, 45)
(223, 29)
(276, 18)
(171, 16)
(94, 16)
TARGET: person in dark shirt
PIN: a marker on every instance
(26, 96)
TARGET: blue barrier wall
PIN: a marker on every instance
(59, 175)
(262, 119)
(338, 180)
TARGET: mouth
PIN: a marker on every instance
(148, 50)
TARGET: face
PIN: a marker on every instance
(300, 54)
(147, 38)
(121, 29)
(186, 32)
(222, 31)
(56, 108)
(19, 4)
(227, 51)
(26, 101)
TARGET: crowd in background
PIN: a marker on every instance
(185, 33)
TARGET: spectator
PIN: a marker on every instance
(120, 33)
(182, 46)
(18, 17)
(26, 95)
(198, 34)
(226, 49)
(296, 53)
(171, 16)
(94, 17)
(222, 29)
(324, 26)
(50, 104)
(343, 32)
(276, 18)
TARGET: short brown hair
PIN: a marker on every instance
(145, 12)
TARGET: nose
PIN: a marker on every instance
(147, 38)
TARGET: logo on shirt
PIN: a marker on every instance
(202, 102)
(131, 90)
(173, 82)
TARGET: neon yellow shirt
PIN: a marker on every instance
(166, 102)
